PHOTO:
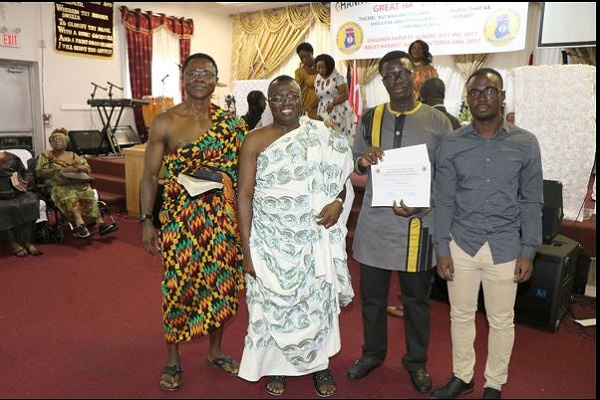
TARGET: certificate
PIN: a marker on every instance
(404, 174)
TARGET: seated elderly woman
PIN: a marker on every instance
(68, 176)
(19, 207)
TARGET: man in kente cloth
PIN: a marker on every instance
(198, 240)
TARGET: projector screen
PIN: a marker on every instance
(567, 25)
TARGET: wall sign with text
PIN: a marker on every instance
(370, 30)
(84, 28)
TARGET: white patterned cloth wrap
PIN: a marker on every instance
(302, 276)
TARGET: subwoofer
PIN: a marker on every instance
(88, 142)
(552, 212)
(543, 301)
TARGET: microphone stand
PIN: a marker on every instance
(111, 88)
(96, 86)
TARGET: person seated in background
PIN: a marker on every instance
(68, 177)
(433, 92)
(256, 106)
(19, 207)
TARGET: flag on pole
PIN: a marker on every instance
(354, 96)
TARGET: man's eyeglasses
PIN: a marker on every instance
(487, 92)
(279, 99)
(203, 74)
(57, 139)
(402, 75)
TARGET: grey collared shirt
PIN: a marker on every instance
(489, 190)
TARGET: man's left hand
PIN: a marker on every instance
(330, 214)
(523, 269)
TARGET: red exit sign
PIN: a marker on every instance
(9, 40)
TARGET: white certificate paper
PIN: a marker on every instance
(404, 174)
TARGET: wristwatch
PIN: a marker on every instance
(145, 217)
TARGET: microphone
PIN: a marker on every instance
(112, 84)
(163, 79)
(98, 86)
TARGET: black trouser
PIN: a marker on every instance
(415, 288)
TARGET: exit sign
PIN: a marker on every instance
(9, 40)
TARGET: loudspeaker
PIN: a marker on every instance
(126, 136)
(581, 274)
(543, 301)
(88, 142)
(552, 212)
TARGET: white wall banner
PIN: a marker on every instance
(370, 30)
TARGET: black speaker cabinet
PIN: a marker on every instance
(552, 212)
(126, 136)
(88, 142)
(544, 300)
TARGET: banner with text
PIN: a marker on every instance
(84, 28)
(370, 30)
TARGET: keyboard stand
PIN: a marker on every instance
(106, 115)
(109, 108)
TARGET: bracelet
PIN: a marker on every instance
(145, 217)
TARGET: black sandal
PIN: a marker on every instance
(172, 371)
(323, 378)
(277, 379)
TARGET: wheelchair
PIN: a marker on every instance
(53, 231)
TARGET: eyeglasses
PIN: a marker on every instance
(57, 139)
(488, 92)
(279, 99)
(203, 74)
(402, 75)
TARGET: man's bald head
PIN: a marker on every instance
(433, 91)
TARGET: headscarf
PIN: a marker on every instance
(62, 133)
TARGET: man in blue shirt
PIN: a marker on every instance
(488, 226)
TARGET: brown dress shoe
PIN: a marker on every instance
(421, 380)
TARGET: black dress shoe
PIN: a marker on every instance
(421, 380)
(491, 393)
(362, 367)
(453, 388)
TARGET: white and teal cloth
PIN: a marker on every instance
(302, 276)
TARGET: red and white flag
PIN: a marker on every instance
(354, 93)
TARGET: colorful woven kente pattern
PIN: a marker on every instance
(199, 235)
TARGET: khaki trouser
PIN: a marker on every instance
(499, 290)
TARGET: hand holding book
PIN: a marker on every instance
(200, 181)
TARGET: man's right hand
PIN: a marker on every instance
(248, 267)
(371, 156)
(150, 238)
(445, 268)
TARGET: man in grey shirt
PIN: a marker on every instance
(398, 237)
(488, 226)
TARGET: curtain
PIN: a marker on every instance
(262, 41)
(140, 27)
(165, 65)
(582, 55)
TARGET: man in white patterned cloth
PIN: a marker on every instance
(291, 190)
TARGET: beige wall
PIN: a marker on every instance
(66, 79)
